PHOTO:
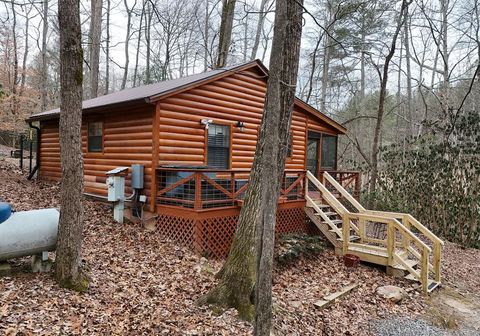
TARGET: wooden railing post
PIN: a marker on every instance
(424, 270)
(305, 188)
(346, 232)
(390, 241)
(198, 191)
(437, 256)
(232, 184)
(357, 185)
(405, 239)
(361, 229)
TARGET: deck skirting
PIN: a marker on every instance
(210, 232)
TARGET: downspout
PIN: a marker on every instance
(37, 160)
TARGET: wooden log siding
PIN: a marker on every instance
(127, 140)
(238, 97)
(179, 138)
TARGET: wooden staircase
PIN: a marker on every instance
(395, 240)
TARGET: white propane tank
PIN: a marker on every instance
(27, 233)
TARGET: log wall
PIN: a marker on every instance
(180, 138)
(127, 140)
(238, 97)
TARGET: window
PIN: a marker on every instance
(218, 151)
(329, 152)
(95, 137)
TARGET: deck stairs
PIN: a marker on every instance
(395, 240)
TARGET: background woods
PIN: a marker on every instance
(402, 76)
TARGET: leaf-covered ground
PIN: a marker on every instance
(143, 284)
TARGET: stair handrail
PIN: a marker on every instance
(339, 207)
(396, 223)
(413, 221)
(344, 192)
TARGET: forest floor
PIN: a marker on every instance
(142, 284)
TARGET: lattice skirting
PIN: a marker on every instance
(211, 233)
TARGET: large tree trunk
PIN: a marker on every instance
(95, 35)
(381, 100)
(225, 35)
(238, 275)
(68, 269)
(272, 150)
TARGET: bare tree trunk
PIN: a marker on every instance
(107, 50)
(269, 164)
(135, 72)
(127, 42)
(381, 100)
(362, 67)
(258, 32)
(68, 270)
(314, 67)
(206, 35)
(95, 35)
(326, 60)
(25, 53)
(44, 57)
(147, 40)
(409, 76)
(15, 60)
(225, 34)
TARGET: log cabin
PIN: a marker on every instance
(196, 139)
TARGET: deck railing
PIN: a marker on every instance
(201, 189)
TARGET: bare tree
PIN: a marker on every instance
(383, 94)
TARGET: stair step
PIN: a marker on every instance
(321, 205)
(352, 238)
(334, 221)
(330, 213)
(432, 284)
(327, 213)
(410, 262)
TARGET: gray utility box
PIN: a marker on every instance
(137, 176)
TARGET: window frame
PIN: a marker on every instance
(230, 137)
(102, 136)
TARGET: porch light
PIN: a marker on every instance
(241, 125)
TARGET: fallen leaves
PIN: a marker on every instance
(144, 285)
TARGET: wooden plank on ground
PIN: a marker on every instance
(331, 298)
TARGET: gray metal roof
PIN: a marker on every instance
(143, 93)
